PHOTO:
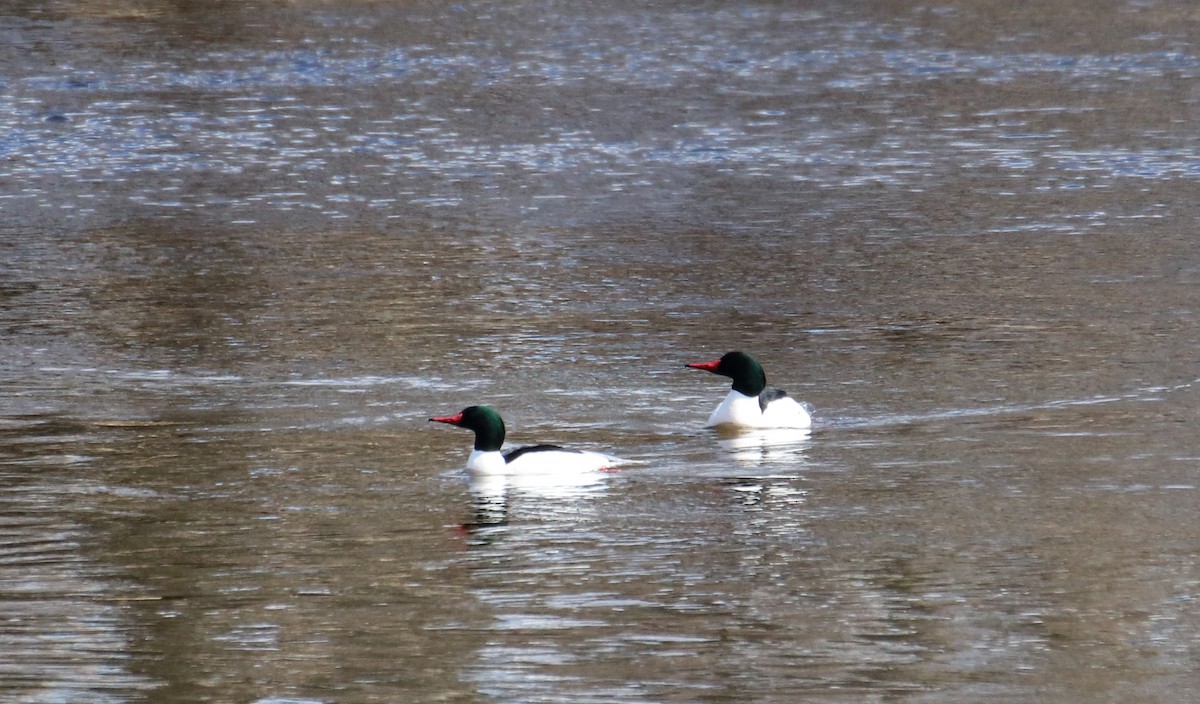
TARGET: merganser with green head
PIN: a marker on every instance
(749, 402)
(486, 456)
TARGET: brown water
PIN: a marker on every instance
(250, 247)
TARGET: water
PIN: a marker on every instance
(250, 248)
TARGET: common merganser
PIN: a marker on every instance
(750, 403)
(533, 459)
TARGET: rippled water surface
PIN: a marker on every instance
(249, 248)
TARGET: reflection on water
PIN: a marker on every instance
(311, 117)
(250, 247)
(496, 497)
(67, 630)
(766, 445)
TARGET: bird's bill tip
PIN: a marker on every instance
(452, 420)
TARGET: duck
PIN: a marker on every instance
(486, 457)
(750, 404)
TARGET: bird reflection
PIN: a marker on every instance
(495, 495)
(765, 445)
(489, 498)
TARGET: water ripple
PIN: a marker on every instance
(152, 129)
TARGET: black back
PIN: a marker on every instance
(514, 454)
(769, 395)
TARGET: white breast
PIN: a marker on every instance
(489, 462)
(541, 462)
(786, 412)
(740, 409)
(560, 461)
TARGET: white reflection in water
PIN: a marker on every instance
(497, 497)
(542, 485)
(766, 445)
